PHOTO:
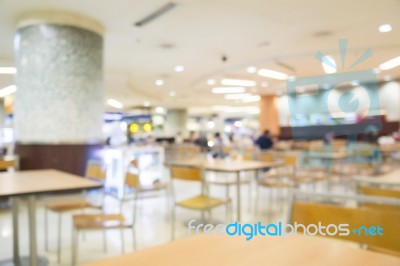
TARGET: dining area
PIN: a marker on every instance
(65, 219)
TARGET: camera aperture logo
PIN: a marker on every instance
(281, 229)
(344, 103)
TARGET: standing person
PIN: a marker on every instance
(218, 146)
(264, 142)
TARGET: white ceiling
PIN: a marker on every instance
(250, 33)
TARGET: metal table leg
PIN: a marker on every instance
(15, 211)
(238, 194)
(32, 230)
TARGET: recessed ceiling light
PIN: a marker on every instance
(264, 84)
(254, 98)
(159, 82)
(211, 82)
(251, 69)
(146, 103)
(160, 110)
(179, 68)
(8, 90)
(385, 28)
(272, 74)
(8, 70)
(115, 103)
(239, 96)
(329, 64)
(387, 78)
(238, 82)
(392, 63)
(228, 90)
(172, 93)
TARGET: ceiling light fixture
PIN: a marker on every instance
(392, 63)
(329, 64)
(115, 103)
(172, 94)
(251, 69)
(385, 28)
(146, 103)
(156, 14)
(239, 82)
(8, 90)
(272, 74)
(254, 98)
(211, 82)
(179, 68)
(160, 110)
(8, 70)
(159, 82)
(239, 96)
(228, 90)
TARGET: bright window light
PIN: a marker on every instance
(8, 90)
(115, 103)
(228, 90)
(239, 82)
(272, 74)
(392, 63)
(8, 70)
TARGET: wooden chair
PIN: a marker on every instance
(104, 221)
(9, 165)
(202, 202)
(380, 192)
(132, 181)
(307, 213)
(286, 177)
(94, 171)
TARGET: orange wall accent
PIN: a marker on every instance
(269, 116)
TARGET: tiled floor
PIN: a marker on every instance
(153, 225)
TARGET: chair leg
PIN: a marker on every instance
(167, 202)
(250, 196)
(173, 223)
(227, 205)
(122, 240)
(271, 200)
(46, 229)
(257, 199)
(104, 241)
(134, 237)
(74, 245)
(59, 237)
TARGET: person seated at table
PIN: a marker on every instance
(218, 146)
(264, 142)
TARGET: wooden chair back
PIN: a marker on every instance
(8, 164)
(312, 213)
(380, 192)
(95, 170)
(186, 173)
(132, 178)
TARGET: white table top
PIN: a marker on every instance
(391, 178)
(226, 165)
(41, 181)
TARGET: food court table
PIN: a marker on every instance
(228, 166)
(391, 179)
(260, 251)
(29, 184)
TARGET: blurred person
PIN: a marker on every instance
(264, 142)
(218, 146)
(202, 142)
